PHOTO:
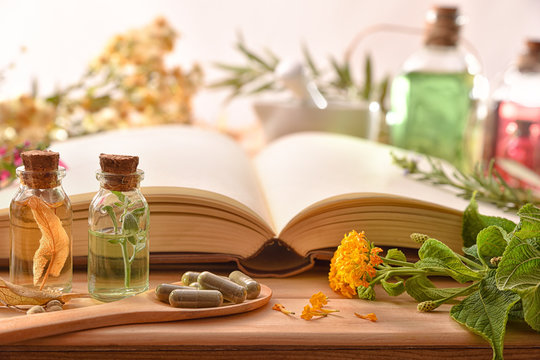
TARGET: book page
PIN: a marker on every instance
(170, 156)
(300, 170)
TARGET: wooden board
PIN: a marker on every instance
(142, 308)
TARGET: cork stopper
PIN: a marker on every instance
(40, 169)
(530, 60)
(120, 171)
(442, 26)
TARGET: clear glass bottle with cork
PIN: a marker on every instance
(436, 100)
(119, 219)
(41, 217)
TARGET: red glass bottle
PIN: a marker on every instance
(514, 128)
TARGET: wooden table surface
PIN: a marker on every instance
(401, 331)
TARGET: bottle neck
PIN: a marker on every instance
(120, 182)
(442, 27)
(41, 179)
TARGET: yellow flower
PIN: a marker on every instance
(318, 300)
(371, 316)
(307, 314)
(353, 264)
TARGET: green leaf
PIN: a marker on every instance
(474, 222)
(519, 268)
(310, 62)
(516, 312)
(130, 225)
(396, 254)
(368, 78)
(529, 216)
(343, 74)
(491, 243)
(132, 240)
(472, 252)
(485, 312)
(383, 92)
(119, 195)
(113, 241)
(420, 288)
(138, 212)
(531, 306)
(393, 289)
(437, 256)
(269, 85)
(112, 215)
(232, 68)
(252, 56)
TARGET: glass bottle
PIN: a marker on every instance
(435, 107)
(516, 111)
(41, 216)
(119, 219)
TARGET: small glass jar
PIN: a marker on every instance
(118, 248)
(41, 216)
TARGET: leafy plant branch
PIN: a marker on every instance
(501, 270)
(127, 231)
(487, 183)
(256, 76)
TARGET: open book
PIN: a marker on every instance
(274, 213)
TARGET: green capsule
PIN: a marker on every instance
(253, 287)
(190, 277)
(163, 291)
(195, 285)
(192, 298)
(231, 291)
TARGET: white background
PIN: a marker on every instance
(62, 36)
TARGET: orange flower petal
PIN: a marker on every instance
(371, 316)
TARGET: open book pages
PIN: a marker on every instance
(350, 183)
(207, 196)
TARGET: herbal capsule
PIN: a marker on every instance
(53, 303)
(164, 290)
(253, 287)
(35, 310)
(192, 298)
(231, 291)
(190, 277)
(195, 285)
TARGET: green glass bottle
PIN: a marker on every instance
(119, 219)
(435, 101)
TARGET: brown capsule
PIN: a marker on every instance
(164, 290)
(253, 287)
(190, 277)
(195, 285)
(53, 303)
(193, 298)
(35, 310)
(231, 291)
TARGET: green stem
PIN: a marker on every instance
(471, 263)
(397, 262)
(405, 272)
(133, 255)
(465, 290)
(127, 264)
